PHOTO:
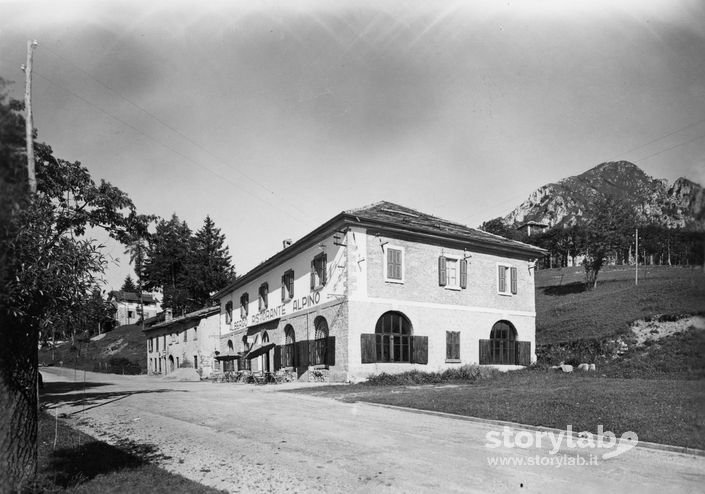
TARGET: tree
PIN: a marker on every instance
(497, 227)
(48, 269)
(209, 267)
(128, 285)
(607, 233)
(166, 262)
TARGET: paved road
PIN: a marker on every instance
(246, 438)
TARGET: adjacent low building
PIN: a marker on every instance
(190, 341)
(383, 288)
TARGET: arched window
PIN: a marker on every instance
(503, 343)
(393, 337)
(289, 335)
(321, 342)
(245, 346)
(289, 348)
(230, 345)
(265, 337)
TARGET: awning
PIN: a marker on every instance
(256, 352)
(229, 357)
(265, 326)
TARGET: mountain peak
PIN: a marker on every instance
(570, 201)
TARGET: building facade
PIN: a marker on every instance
(190, 341)
(383, 288)
(128, 308)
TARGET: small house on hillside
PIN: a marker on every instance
(188, 341)
(128, 306)
(383, 288)
(532, 227)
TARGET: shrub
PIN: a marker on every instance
(468, 373)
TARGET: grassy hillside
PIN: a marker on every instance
(566, 312)
(122, 350)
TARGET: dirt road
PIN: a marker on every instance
(247, 438)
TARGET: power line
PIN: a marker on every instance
(671, 147)
(659, 138)
(140, 132)
(176, 131)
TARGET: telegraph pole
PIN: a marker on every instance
(636, 258)
(29, 127)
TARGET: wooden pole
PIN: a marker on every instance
(636, 264)
(29, 127)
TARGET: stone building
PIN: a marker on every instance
(190, 341)
(128, 309)
(383, 288)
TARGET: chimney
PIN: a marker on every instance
(167, 315)
(286, 243)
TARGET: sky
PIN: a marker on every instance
(272, 117)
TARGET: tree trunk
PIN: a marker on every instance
(18, 402)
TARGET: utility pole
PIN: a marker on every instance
(636, 264)
(29, 127)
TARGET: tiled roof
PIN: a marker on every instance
(389, 216)
(122, 296)
(411, 219)
(191, 316)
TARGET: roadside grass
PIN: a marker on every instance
(82, 464)
(565, 312)
(663, 411)
(123, 347)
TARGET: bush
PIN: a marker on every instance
(468, 373)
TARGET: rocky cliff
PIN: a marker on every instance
(570, 201)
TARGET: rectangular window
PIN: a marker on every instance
(394, 264)
(452, 272)
(130, 314)
(506, 279)
(229, 312)
(263, 296)
(453, 346)
(195, 333)
(185, 334)
(244, 305)
(288, 285)
(318, 271)
(195, 362)
(151, 344)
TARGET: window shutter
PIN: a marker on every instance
(514, 280)
(523, 352)
(390, 264)
(485, 352)
(302, 353)
(463, 273)
(324, 269)
(278, 358)
(312, 357)
(283, 288)
(442, 278)
(457, 345)
(313, 274)
(449, 345)
(368, 348)
(419, 350)
(502, 281)
(330, 351)
(291, 284)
